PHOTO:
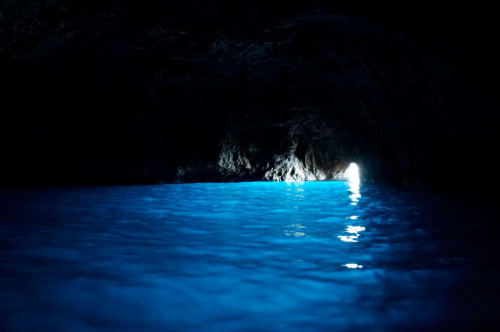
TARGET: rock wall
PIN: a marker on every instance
(116, 92)
(304, 148)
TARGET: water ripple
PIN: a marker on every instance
(264, 256)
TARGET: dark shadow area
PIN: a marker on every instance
(123, 92)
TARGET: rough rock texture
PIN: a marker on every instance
(132, 92)
(304, 148)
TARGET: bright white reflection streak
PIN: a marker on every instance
(352, 176)
(355, 229)
(349, 238)
(353, 266)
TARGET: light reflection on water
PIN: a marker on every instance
(262, 256)
(355, 195)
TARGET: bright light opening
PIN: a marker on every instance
(352, 173)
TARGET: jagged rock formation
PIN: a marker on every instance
(122, 92)
(302, 149)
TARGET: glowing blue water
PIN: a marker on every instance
(262, 256)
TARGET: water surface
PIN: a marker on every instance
(262, 256)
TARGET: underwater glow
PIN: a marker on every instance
(353, 266)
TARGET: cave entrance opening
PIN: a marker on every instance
(351, 174)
